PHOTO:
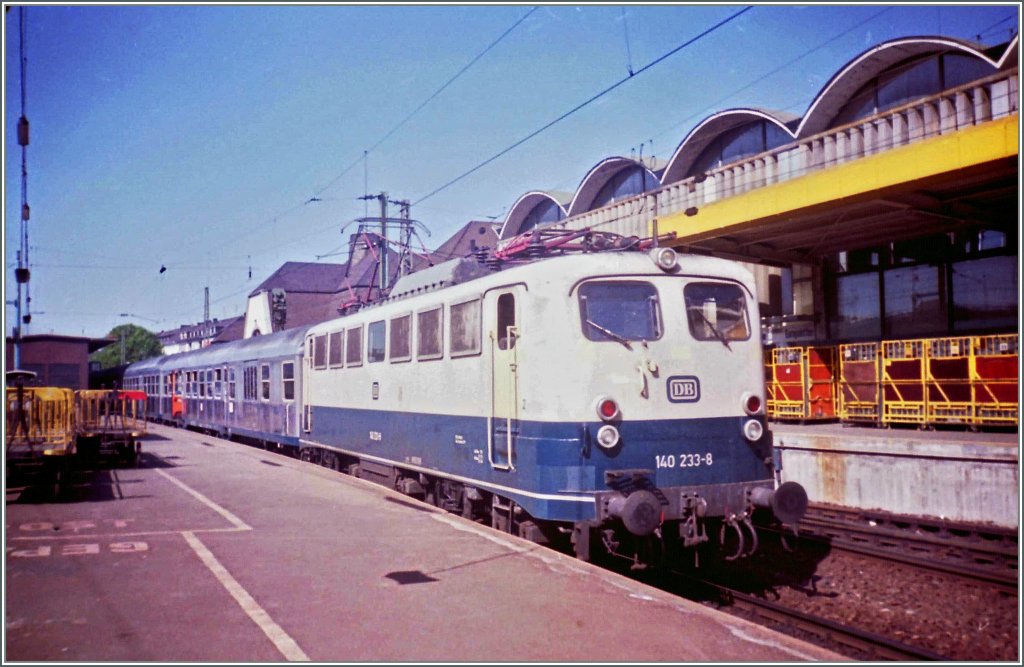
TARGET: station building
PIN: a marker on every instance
(888, 210)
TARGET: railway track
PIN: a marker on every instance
(845, 639)
(983, 554)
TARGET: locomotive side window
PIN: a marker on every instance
(464, 328)
(288, 380)
(265, 381)
(354, 346)
(375, 334)
(716, 311)
(506, 319)
(320, 352)
(620, 311)
(400, 342)
(429, 337)
(336, 350)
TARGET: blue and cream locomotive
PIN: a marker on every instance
(612, 401)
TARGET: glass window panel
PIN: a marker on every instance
(375, 342)
(428, 334)
(320, 352)
(913, 302)
(288, 380)
(354, 346)
(400, 338)
(909, 81)
(428, 338)
(611, 311)
(959, 69)
(336, 349)
(857, 308)
(465, 328)
(985, 294)
(624, 184)
(716, 311)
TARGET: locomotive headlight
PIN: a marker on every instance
(607, 436)
(607, 408)
(665, 258)
(753, 430)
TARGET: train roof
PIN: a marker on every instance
(281, 344)
(457, 279)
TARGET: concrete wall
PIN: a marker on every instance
(958, 476)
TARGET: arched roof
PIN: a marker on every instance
(525, 205)
(711, 127)
(599, 175)
(850, 78)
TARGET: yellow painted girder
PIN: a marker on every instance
(946, 153)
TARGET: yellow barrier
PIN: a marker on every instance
(40, 422)
(860, 396)
(903, 383)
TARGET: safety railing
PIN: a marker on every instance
(945, 113)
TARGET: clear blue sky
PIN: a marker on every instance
(190, 136)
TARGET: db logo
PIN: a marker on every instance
(683, 389)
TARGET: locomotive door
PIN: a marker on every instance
(503, 333)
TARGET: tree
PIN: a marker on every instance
(138, 344)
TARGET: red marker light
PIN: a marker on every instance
(607, 409)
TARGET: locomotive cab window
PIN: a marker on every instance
(716, 311)
(620, 311)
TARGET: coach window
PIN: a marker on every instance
(464, 328)
(231, 383)
(375, 334)
(288, 380)
(217, 382)
(249, 383)
(400, 330)
(320, 352)
(429, 337)
(354, 346)
(716, 311)
(202, 384)
(265, 381)
(336, 349)
(620, 311)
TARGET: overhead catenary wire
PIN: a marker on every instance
(585, 103)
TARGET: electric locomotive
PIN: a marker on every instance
(608, 401)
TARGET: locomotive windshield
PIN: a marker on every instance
(619, 311)
(716, 311)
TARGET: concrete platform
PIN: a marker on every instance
(213, 551)
(949, 474)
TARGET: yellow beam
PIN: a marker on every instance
(939, 155)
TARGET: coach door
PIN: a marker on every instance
(503, 320)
